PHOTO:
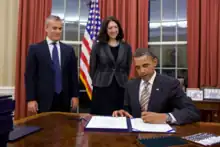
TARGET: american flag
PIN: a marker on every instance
(91, 32)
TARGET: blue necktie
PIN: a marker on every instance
(57, 69)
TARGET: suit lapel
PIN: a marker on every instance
(62, 55)
(108, 51)
(46, 52)
(156, 95)
(121, 52)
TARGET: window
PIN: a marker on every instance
(167, 36)
(74, 14)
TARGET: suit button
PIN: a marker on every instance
(113, 69)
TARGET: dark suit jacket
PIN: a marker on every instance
(103, 65)
(39, 75)
(166, 97)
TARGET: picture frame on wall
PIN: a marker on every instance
(195, 94)
(211, 93)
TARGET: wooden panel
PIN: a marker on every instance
(210, 110)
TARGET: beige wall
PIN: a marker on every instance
(8, 37)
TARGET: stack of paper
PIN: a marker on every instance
(107, 122)
(205, 139)
(139, 126)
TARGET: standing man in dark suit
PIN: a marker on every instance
(51, 77)
(154, 97)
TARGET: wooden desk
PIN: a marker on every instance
(63, 130)
(210, 110)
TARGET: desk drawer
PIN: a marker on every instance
(210, 110)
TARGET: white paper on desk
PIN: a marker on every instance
(138, 125)
(107, 122)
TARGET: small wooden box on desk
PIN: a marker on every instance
(210, 110)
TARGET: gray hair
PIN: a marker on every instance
(52, 17)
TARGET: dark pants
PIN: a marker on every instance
(105, 100)
(58, 103)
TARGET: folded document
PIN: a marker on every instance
(22, 131)
(139, 126)
(105, 123)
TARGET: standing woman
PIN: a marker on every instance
(110, 64)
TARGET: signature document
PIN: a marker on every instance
(138, 125)
(107, 122)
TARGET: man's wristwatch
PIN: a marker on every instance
(169, 119)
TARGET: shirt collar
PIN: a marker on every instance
(151, 81)
(49, 41)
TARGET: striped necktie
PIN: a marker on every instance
(145, 96)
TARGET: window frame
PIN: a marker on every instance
(161, 42)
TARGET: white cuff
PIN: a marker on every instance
(173, 119)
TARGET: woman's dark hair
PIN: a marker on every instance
(103, 35)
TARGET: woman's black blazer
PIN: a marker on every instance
(103, 66)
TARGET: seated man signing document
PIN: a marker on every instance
(154, 97)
